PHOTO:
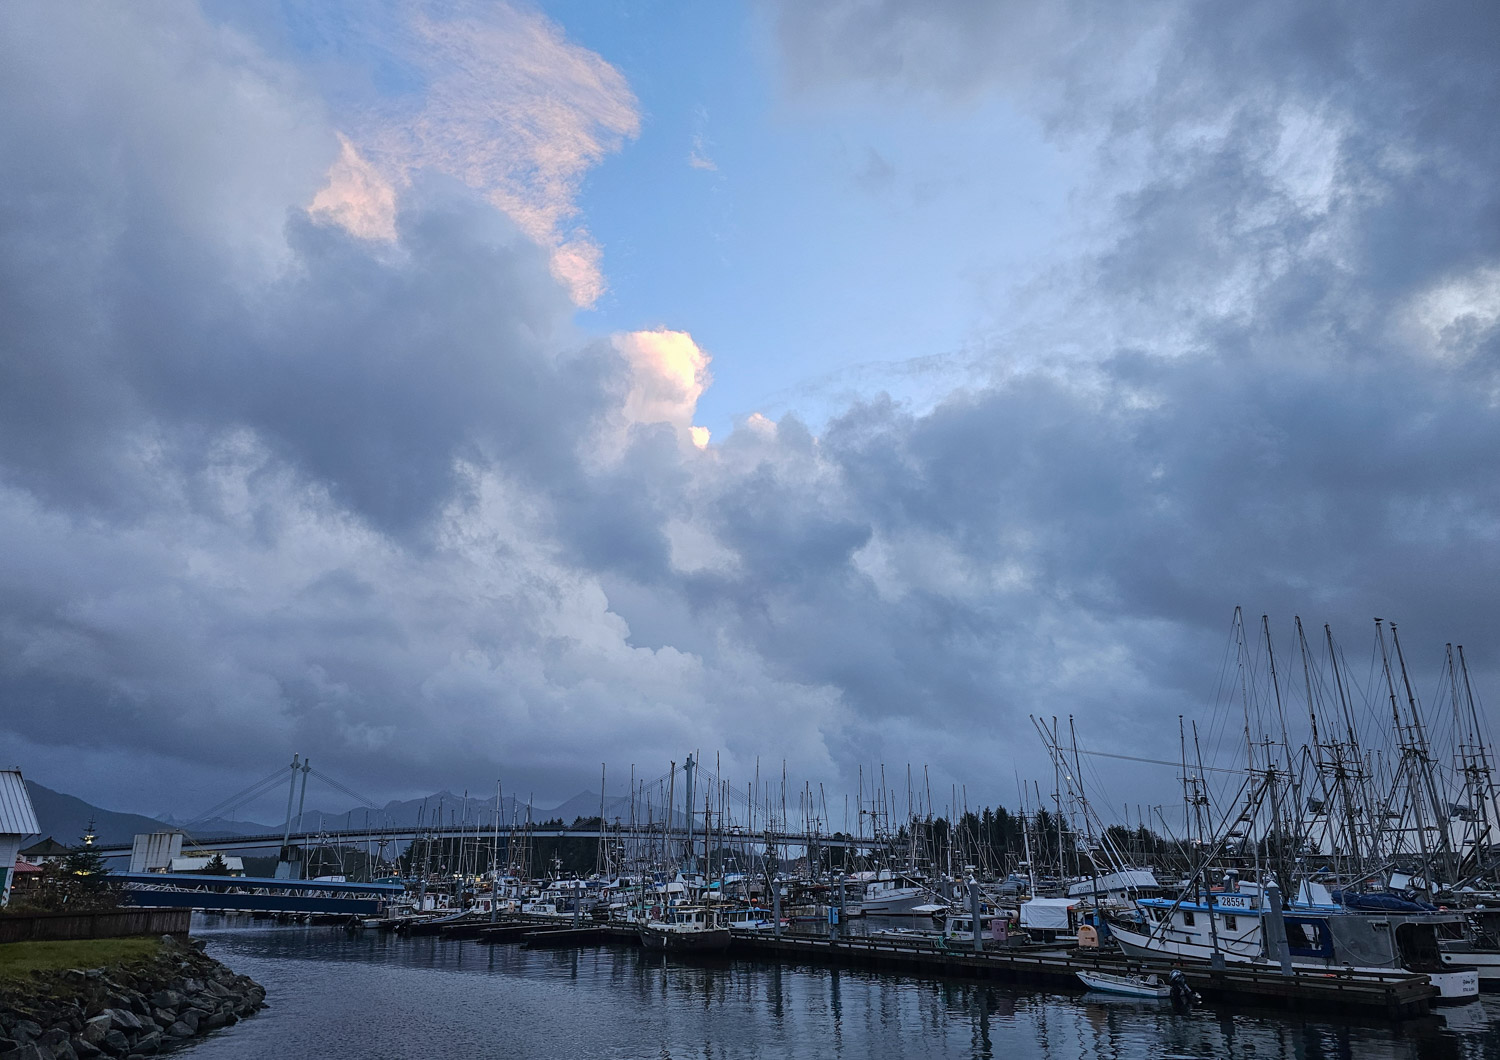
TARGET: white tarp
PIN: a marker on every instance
(1115, 883)
(1047, 914)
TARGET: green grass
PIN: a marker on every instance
(18, 959)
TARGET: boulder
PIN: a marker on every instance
(123, 1019)
(167, 999)
(51, 1038)
(95, 1029)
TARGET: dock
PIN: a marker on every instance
(584, 935)
(1395, 996)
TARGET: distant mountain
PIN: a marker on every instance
(616, 807)
(66, 817)
(451, 809)
(454, 810)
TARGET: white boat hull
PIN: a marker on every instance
(1126, 986)
(907, 901)
(1485, 962)
(1456, 986)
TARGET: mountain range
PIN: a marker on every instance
(66, 817)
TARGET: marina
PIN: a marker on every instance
(1310, 882)
(341, 995)
(789, 528)
(1308, 879)
(1393, 996)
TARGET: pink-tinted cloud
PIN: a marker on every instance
(669, 372)
(503, 102)
(357, 197)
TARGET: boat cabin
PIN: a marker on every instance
(1048, 919)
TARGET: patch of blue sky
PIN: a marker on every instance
(836, 247)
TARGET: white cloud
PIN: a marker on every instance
(501, 100)
(1449, 320)
(668, 374)
(698, 156)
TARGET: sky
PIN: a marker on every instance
(460, 391)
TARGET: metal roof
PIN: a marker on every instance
(16, 815)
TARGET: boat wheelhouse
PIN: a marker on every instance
(686, 928)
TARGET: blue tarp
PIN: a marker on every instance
(194, 881)
(1380, 903)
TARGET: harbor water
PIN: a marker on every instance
(377, 996)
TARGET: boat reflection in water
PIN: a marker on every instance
(338, 996)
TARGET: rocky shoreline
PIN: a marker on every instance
(133, 1009)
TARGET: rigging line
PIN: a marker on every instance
(325, 778)
(1160, 762)
(240, 797)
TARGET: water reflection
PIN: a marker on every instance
(380, 996)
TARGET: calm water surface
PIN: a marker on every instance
(375, 996)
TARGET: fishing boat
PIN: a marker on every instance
(1148, 986)
(1237, 927)
(686, 929)
(897, 895)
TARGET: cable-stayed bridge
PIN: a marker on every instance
(685, 810)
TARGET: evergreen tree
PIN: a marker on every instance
(83, 879)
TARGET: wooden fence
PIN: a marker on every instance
(117, 924)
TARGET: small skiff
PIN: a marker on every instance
(1129, 985)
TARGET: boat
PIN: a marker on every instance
(1149, 986)
(749, 918)
(686, 929)
(911, 936)
(892, 895)
(958, 929)
(1236, 927)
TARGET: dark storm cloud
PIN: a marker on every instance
(267, 486)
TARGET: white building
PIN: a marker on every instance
(17, 821)
(236, 866)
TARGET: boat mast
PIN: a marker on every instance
(1482, 777)
(1281, 828)
(1427, 773)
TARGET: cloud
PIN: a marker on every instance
(669, 373)
(495, 96)
(357, 197)
(698, 156)
(267, 484)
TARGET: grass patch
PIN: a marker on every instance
(19, 959)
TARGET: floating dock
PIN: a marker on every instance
(1394, 996)
(1398, 996)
